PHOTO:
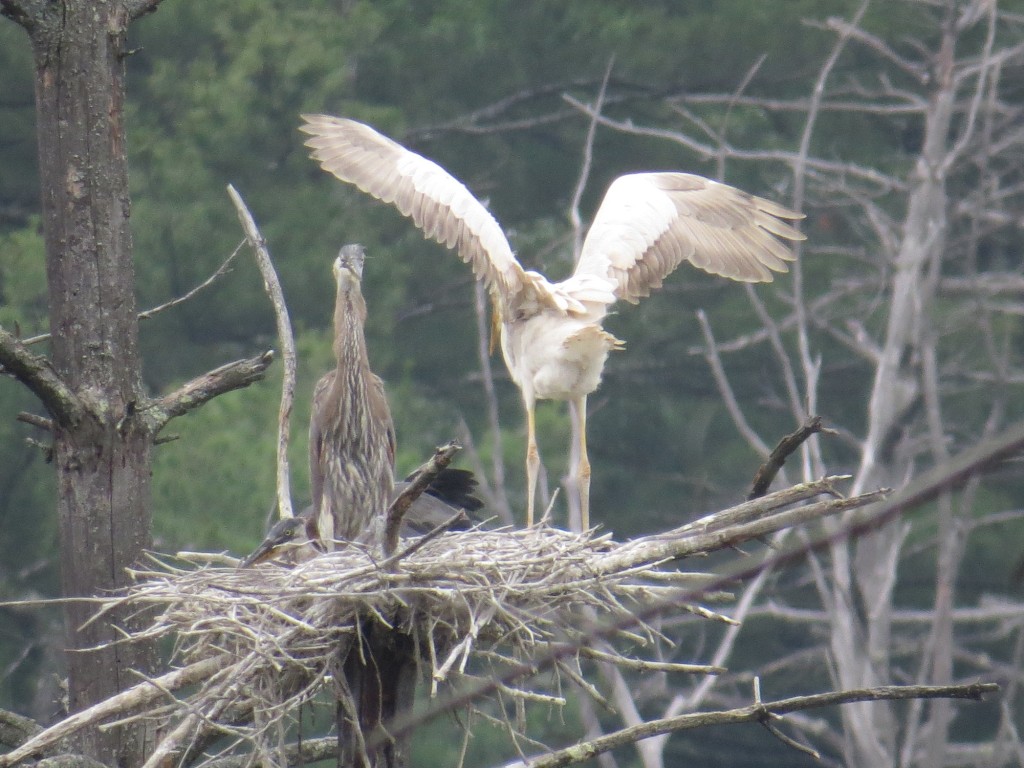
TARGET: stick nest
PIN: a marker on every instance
(477, 602)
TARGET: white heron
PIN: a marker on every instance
(551, 334)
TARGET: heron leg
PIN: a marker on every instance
(583, 468)
(532, 461)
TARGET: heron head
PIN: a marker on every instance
(287, 534)
(348, 267)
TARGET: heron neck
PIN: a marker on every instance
(349, 318)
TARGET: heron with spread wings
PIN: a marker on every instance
(552, 337)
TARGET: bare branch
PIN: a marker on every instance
(852, 30)
(36, 373)
(708, 151)
(41, 422)
(421, 478)
(287, 339)
(149, 313)
(221, 271)
(202, 389)
(755, 713)
(28, 14)
(725, 389)
(132, 698)
(588, 157)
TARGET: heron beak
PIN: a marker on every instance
(264, 552)
(348, 267)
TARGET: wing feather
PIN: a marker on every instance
(420, 189)
(649, 223)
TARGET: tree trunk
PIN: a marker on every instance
(103, 459)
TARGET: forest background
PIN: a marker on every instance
(215, 91)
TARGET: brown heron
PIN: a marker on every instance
(296, 539)
(551, 334)
(351, 435)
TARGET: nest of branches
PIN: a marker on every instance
(483, 610)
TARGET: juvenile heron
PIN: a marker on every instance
(551, 334)
(351, 434)
(296, 538)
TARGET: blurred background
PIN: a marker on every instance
(722, 88)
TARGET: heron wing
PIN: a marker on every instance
(382, 415)
(436, 202)
(649, 223)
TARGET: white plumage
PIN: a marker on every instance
(551, 334)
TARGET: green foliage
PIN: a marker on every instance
(23, 280)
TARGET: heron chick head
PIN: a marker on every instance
(287, 534)
(348, 267)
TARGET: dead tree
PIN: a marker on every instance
(101, 421)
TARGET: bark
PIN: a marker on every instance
(102, 460)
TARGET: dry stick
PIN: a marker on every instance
(588, 156)
(284, 333)
(134, 697)
(422, 477)
(41, 422)
(725, 389)
(760, 712)
(149, 313)
(786, 447)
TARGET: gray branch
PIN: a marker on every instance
(36, 373)
(758, 712)
(202, 389)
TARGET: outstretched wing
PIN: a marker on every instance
(649, 223)
(436, 202)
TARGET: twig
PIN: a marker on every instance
(588, 157)
(421, 478)
(41, 422)
(149, 313)
(725, 389)
(442, 528)
(284, 334)
(221, 271)
(645, 665)
(755, 713)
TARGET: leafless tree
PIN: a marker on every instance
(101, 422)
(926, 311)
